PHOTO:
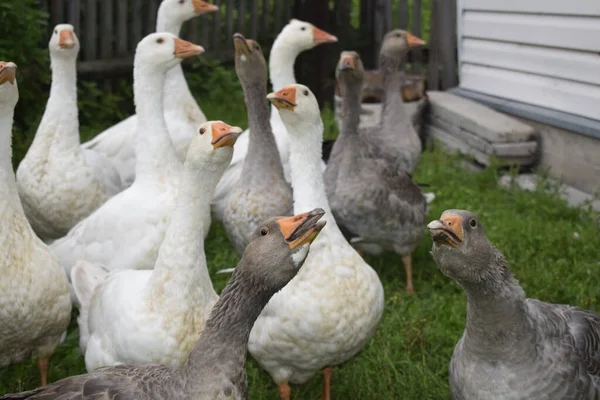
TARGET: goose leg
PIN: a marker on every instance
(43, 366)
(285, 391)
(407, 260)
(327, 383)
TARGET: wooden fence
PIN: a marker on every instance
(109, 31)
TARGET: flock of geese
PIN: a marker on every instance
(116, 227)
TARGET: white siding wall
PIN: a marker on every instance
(541, 52)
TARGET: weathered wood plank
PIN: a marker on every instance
(122, 35)
(57, 8)
(241, 25)
(447, 43)
(107, 36)
(288, 8)
(216, 36)
(403, 14)
(229, 18)
(254, 19)
(90, 35)
(266, 14)
(433, 71)
(278, 16)
(416, 30)
(136, 24)
(151, 11)
(75, 15)
(583, 7)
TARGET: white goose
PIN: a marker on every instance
(297, 36)
(35, 308)
(182, 113)
(59, 183)
(140, 317)
(126, 232)
(329, 311)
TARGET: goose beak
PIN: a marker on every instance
(224, 134)
(202, 7)
(302, 228)
(241, 45)
(346, 62)
(185, 49)
(320, 36)
(284, 98)
(447, 230)
(8, 71)
(66, 39)
(414, 41)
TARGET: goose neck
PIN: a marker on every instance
(281, 63)
(167, 24)
(263, 155)
(228, 328)
(181, 263)
(155, 153)
(351, 106)
(392, 112)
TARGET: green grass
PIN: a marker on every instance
(553, 251)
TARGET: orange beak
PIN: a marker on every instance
(202, 7)
(8, 71)
(302, 228)
(185, 49)
(320, 36)
(347, 61)
(224, 134)
(66, 39)
(447, 230)
(285, 98)
(414, 41)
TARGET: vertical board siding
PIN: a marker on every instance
(109, 30)
(543, 53)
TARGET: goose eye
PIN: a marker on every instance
(305, 92)
(473, 222)
(264, 231)
(55, 31)
(202, 130)
(159, 40)
(181, 1)
(303, 28)
(256, 47)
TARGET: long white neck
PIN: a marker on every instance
(281, 63)
(59, 129)
(306, 170)
(155, 154)
(177, 92)
(11, 210)
(181, 263)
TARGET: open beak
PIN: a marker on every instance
(185, 49)
(302, 228)
(346, 62)
(284, 98)
(414, 41)
(320, 36)
(224, 134)
(8, 71)
(241, 44)
(66, 39)
(202, 7)
(447, 230)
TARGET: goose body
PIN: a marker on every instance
(262, 190)
(126, 232)
(297, 36)
(216, 368)
(330, 310)
(168, 306)
(181, 111)
(59, 183)
(512, 347)
(35, 306)
(380, 206)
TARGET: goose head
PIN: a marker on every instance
(9, 93)
(279, 246)
(163, 50)
(397, 42)
(297, 105)
(63, 42)
(179, 11)
(302, 36)
(350, 68)
(250, 64)
(461, 248)
(213, 144)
